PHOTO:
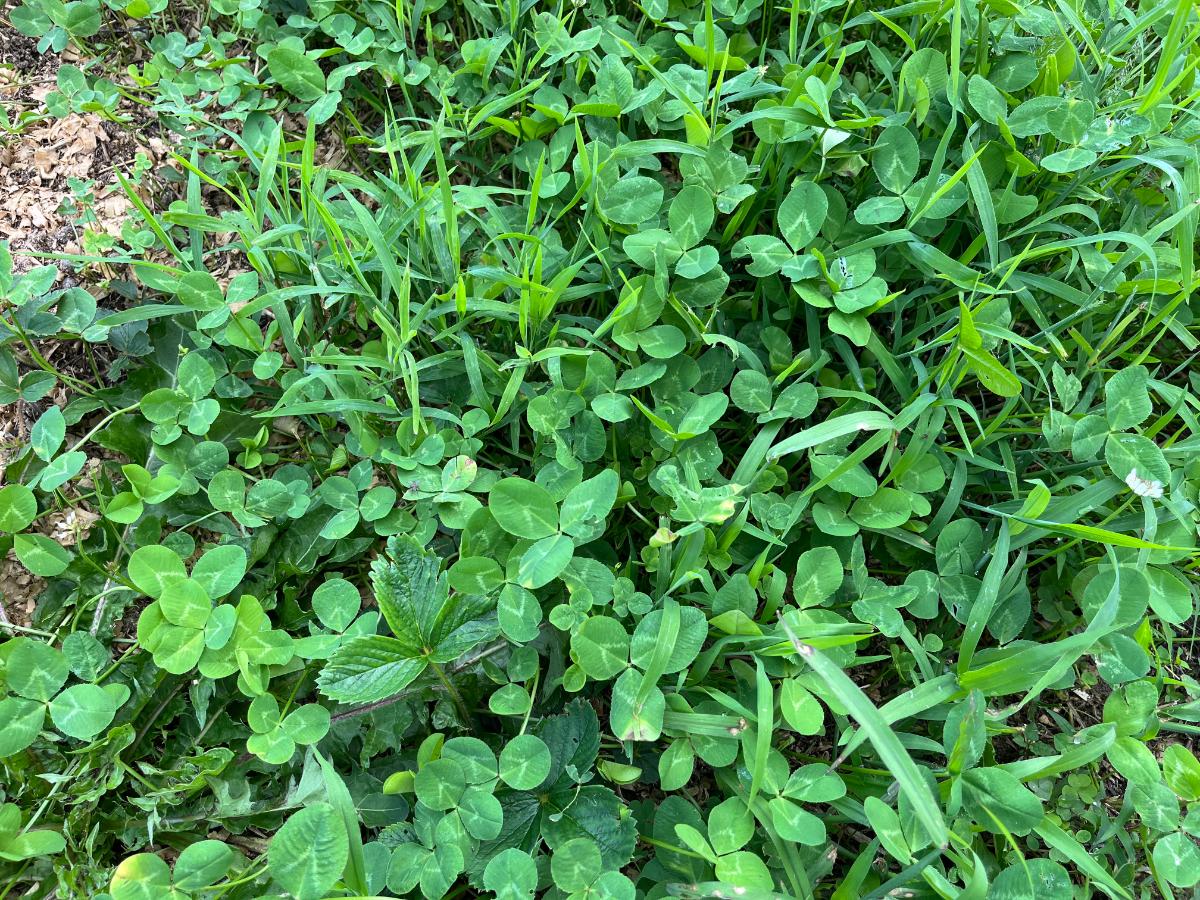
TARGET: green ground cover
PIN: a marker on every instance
(601, 450)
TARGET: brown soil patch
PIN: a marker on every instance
(19, 591)
(38, 209)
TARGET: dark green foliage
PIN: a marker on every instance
(613, 450)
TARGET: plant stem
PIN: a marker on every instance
(87, 437)
(463, 711)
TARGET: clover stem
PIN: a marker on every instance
(8, 887)
(453, 691)
(532, 693)
(252, 872)
(112, 415)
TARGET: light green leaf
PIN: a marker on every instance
(309, 852)
(601, 647)
(1127, 398)
(20, 722)
(220, 569)
(18, 508)
(33, 669)
(300, 75)
(153, 567)
(632, 200)
(82, 711)
(523, 508)
(544, 561)
(525, 762)
(999, 802)
(40, 555)
(48, 433)
(142, 876)
(801, 214)
(895, 158)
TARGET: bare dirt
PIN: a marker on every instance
(39, 212)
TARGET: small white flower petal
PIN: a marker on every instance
(1144, 487)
